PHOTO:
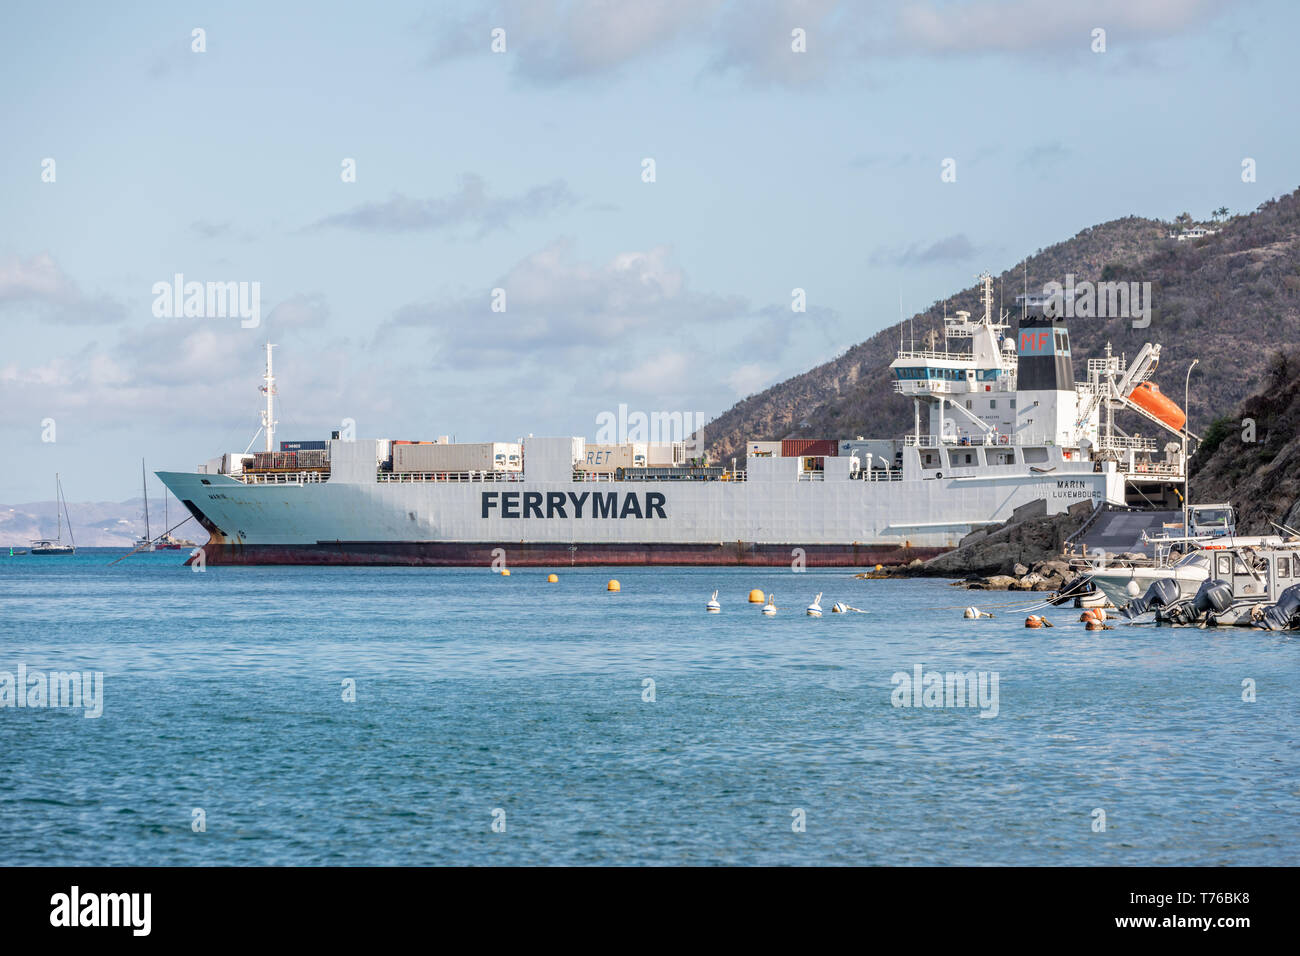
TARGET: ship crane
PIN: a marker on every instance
(1111, 381)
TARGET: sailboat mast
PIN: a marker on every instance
(144, 489)
(58, 513)
(71, 539)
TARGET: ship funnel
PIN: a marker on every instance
(1043, 346)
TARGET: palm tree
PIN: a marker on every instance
(1221, 213)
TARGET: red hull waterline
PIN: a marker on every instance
(482, 554)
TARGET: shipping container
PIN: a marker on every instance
(799, 447)
(233, 462)
(313, 458)
(303, 445)
(663, 454)
(458, 458)
(606, 459)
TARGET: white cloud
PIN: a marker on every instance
(556, 303)
(38, 287)
(560, 41)
(748, 379)
(1013, 26)
(470, 205)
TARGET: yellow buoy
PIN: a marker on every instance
(613, 586)
(505, 572)
(757, 597)
(552, 578)
(880, 567)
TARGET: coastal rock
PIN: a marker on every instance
(1000, 582)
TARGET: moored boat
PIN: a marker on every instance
(57, 547)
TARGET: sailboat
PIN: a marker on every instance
(168, 542)
(144, 543)
(45, 546)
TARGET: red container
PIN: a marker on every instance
(800, 447)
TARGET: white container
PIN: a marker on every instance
(460, 457)
(665, 454)
(232, 462)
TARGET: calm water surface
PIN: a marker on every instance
(475, 692)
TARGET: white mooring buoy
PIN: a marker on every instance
(713, 607)
(815, 608)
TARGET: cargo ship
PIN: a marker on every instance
(999, 423)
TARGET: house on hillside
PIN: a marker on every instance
(1196, 232)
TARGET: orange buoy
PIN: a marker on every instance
(757, 597)
(552, 578)
(1148, 397)
(1033, 621)
(613, 586)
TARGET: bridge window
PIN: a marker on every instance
(1283, 567)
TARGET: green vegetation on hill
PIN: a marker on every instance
(1227, 299)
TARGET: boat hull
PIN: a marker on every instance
(517, 554)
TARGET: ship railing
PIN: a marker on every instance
(881, 474)
(963, 357)
(1147, 468)
(283, 478)
(922, 386)
(1113, 364)
(416, 477)
(585, 476)
(811, 476)
(1125, 443)
(932, 441)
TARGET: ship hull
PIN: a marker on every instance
(830, 523)
(517, 554)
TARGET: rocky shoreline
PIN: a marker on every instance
(1024, 553)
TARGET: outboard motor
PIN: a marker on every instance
(1212, 597)
(1078, 586)
(1162, 593)
(1285, 614)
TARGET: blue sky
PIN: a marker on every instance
(522, 170)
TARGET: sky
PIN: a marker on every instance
(133, 150)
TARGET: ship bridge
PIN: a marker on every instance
(968, 393)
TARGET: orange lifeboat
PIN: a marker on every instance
(1149, 398)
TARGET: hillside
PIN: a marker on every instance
(1262, 477)
(1226, 299)
(95, 524)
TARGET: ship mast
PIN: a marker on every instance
(268, 414)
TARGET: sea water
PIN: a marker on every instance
(420, 716)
